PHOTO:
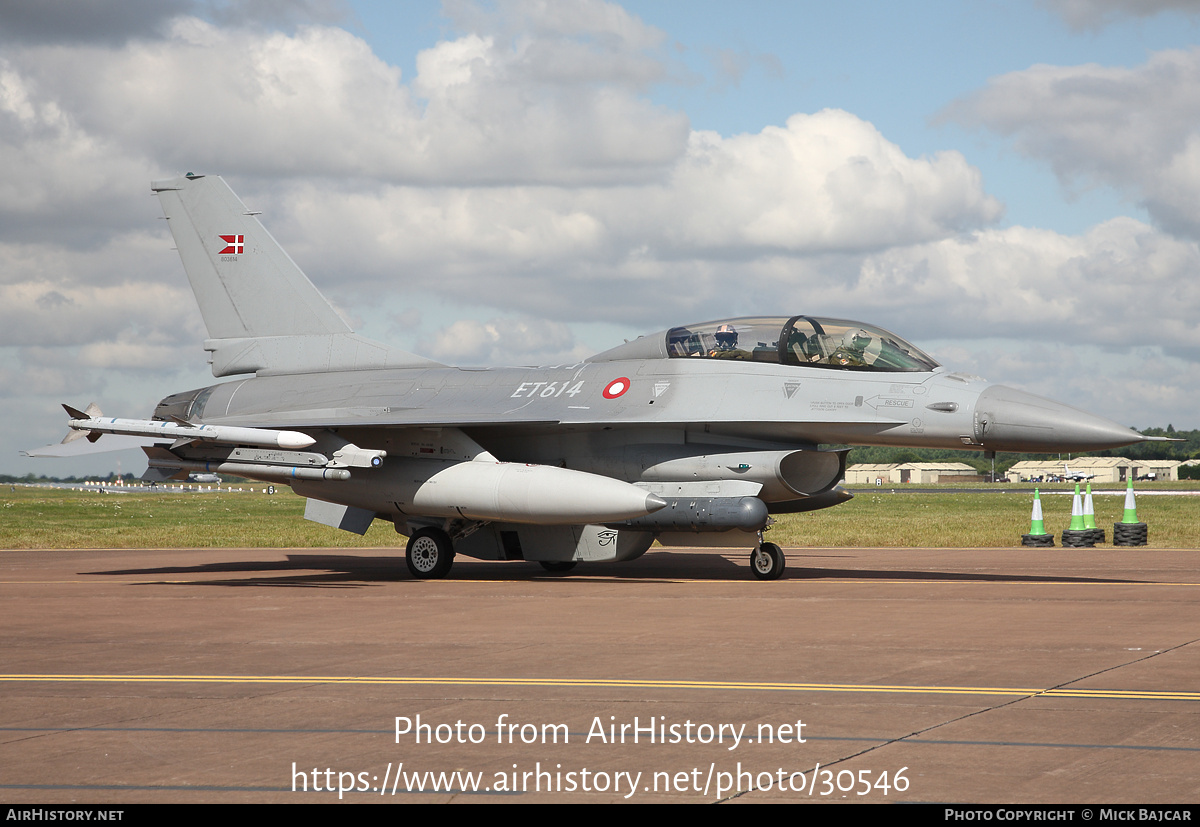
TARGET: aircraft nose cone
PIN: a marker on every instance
(1007, 419)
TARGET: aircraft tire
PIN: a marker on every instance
(767, 562)
(430, 554)
(557, 566)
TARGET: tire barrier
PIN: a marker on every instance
(1130, 534)
(1078, 538)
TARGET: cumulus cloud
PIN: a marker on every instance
(506, 340)
(34, 313)
(1134, 129)
(84, 21)
(590, 41)
(541, 106)
(482, 109)
(824, 181)
(52, 296)
(1096, 14)
(67, 22)
(1121, 284)
(740, 216)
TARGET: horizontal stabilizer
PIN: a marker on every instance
(67, 450)
(153, 474)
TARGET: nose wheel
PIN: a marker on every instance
(430, 554)
(767, 561)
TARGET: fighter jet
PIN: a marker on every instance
(692, 436)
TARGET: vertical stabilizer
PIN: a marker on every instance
(245, 284)
(261, 311)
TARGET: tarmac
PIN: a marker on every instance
(1003, 676)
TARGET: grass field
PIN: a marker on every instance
(997, 519)
(52, 518)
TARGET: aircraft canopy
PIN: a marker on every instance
(799, 340)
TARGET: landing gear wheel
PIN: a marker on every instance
(430, 554)
(767, 561)
(557, 566)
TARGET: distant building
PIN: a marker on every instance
(1101, 469)
(902, 472)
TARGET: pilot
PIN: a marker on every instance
(727, 341)
(852, 353)
(844, 358)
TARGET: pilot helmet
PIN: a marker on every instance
(726, 337)
(856, 339)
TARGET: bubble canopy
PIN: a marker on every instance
(807, 341)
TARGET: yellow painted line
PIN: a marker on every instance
(607, 683)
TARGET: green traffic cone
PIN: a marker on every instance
(1130, 506)
(1077, 512)
(1037, 525)
(1089, 510)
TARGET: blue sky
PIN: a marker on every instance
(1013, 186)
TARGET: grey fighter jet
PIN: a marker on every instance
(692, 436)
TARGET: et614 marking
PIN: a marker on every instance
(547, 390)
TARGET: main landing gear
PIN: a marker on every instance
(558, 566)
(766, 561)
(430, 554)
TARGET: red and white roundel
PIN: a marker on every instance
(616, 387)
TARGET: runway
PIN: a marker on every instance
(1017, 676)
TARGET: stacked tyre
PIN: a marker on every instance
(1130, 534)
(1079, 538)
(1038, 540)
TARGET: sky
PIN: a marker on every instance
(1013, 186)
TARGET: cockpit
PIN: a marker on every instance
(799, 340)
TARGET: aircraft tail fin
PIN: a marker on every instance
(261, 311)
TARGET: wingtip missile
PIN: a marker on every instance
(93, 425)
